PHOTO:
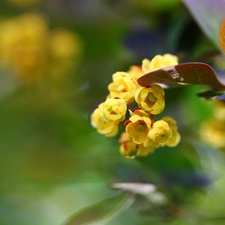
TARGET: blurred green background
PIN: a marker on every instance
(56, 60)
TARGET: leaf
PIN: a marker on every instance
(212, 160)
(147, 190)
(103, 211)
(222, 36)
(209, 15)
(210, 94)
(183, 74)
(221, 98)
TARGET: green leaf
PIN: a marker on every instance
(183, 74)
(149, 191)
(102, 212)
(210, 94)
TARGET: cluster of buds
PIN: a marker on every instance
(31, 49)
(142, 132)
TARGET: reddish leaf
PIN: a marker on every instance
(183, 74)
(222, 36)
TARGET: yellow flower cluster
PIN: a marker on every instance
(142, 132)
(213, 131)
(30, 48)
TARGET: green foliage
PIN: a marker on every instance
(102, 212)
(56, 169)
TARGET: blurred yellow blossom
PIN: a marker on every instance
(123, 86)
(32, 50)
(213, 131)
(65, 49)
(220, 111)
(64, 45)
(114, 109)
(103, 127)
(160, 133)
(138, 126)
(23, 45)
(151, 99)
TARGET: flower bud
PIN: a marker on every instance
(128, 149)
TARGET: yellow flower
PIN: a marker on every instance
(114, 109)
(160, 133)
(124, 137)
(142, 135)
(23, 43)
(146, 66)
(219, 111)
(103, 127)
(158, 62)
(30, 49)
(213, 133)
(135, 72)
(175, 139)
(128, 149)
(123, 86)
(145, 149)
(151, 99)
(138, 126)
